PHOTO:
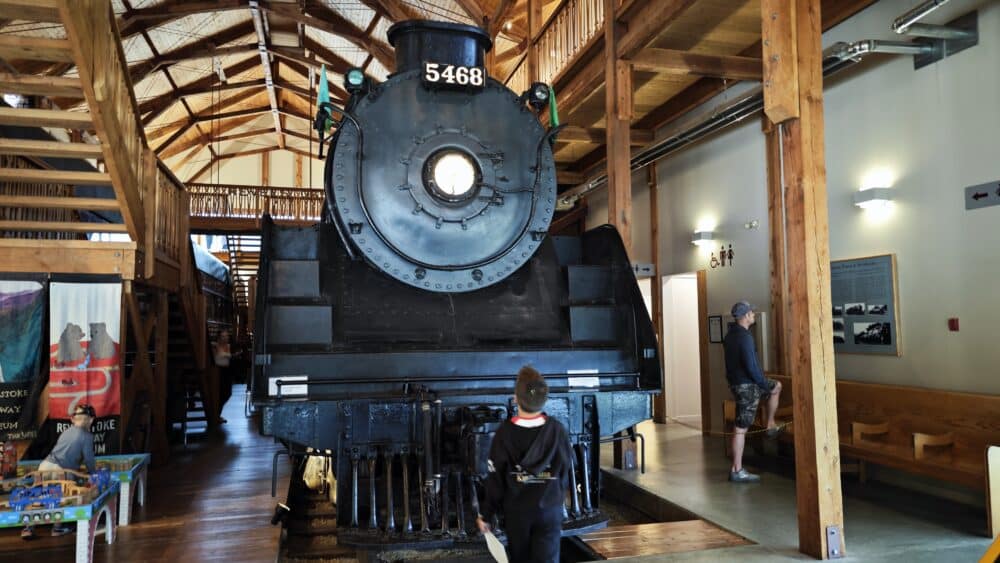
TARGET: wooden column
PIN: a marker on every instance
(265, 169)
(793, 80)
(162, 337)
(298, 170)
(656, 285)
(776, 221)
(618, 112)
(534, 25)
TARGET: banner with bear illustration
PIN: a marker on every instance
(22, 314)
(84, 354)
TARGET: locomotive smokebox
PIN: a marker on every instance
(418, 41)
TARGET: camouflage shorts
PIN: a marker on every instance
(747, 397)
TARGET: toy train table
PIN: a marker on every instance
(50, 497)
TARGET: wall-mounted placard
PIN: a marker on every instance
(865, 305)
(715, 329)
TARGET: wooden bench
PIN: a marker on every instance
(939, 434)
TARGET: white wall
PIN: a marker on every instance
(934, 129)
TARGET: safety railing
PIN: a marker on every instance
(92, 31)
(251, 202)
(566, 35)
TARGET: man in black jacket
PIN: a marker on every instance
(528, 476)
(748, 385)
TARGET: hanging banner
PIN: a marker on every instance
(22, 313)
(84, 337)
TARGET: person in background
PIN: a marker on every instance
(222, 354)
(75, 447)
(748, 385)
(528, 477)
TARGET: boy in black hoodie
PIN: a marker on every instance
(528, 476)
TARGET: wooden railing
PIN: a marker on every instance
(518, 80)
(26, 215)
(250, 202)
(567, 34)
(166, 216)
(93, 35)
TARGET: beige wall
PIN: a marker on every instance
(246, 171)
(934, 130)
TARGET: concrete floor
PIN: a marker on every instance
(881, 523)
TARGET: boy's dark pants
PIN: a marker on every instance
(533, 535)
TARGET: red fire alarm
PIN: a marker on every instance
(953, 324)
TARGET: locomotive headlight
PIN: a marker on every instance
(454, 174)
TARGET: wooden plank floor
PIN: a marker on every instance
(661, 538)
(212, 502)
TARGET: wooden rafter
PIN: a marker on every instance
(134, 22)
(263, 42)
(156, 106)
(671, 61)
(221, 104)
(203, 47)
(324, 19)
(473, 10)
(205, 140)
(393, 10)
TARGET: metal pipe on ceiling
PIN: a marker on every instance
(835, 58)
(903, 23)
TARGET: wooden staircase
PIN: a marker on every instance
(82, 193)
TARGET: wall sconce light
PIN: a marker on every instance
(873, 198)
(701, 238)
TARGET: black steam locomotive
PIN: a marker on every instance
(388, 336)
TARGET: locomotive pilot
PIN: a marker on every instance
(529, 467)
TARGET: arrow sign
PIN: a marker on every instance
(982, 195)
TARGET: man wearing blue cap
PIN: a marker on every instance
(748, 384)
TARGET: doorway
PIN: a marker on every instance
(681, 343)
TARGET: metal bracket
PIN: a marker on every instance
(833, 543)
(948, 46)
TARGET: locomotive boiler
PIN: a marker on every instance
(388, 337)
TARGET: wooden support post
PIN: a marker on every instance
(618, 112)
(703, 356)
(298, 170)
(776, 222)
(265, 169)
(534, 25)
(142, 371)
(656, 285)
(792, 37)
(162, 337)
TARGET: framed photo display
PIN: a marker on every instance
(715, 329)
(864, 292)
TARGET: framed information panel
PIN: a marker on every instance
(865, 305)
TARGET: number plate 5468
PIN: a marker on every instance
(457, 75)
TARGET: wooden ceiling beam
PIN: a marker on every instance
(393, 10)
(672, 61)
(203, 140)
(156, 106)
(322, 18)
(134, 22)
(647, 22)
(203, 47)
(263, 42)
(573, 134)
(336, 92)
(473, 10)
